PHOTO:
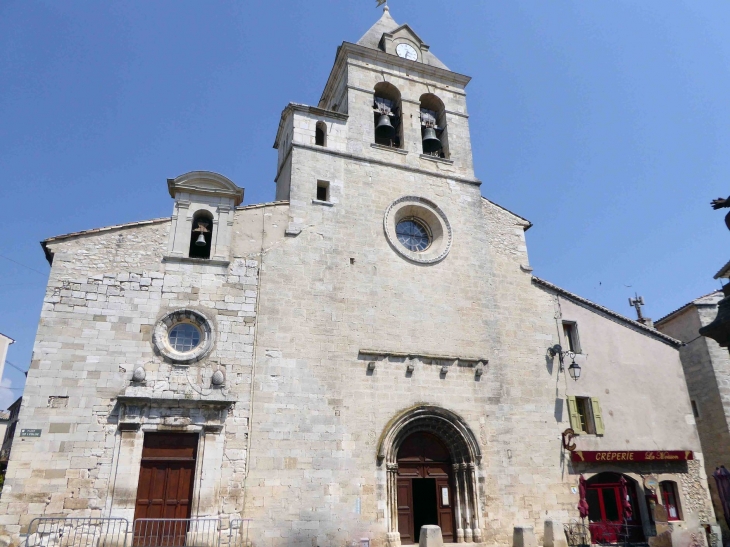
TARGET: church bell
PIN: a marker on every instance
(200, 242)
(384, 129)
(431, 142)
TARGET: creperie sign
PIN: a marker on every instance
(631, 456)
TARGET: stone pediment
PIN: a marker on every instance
(404, 34)
(407, 33)
(205, 183)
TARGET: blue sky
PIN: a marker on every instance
(605, 123)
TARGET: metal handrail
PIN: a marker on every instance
(191, 532)
(147, 532)
(77, 532)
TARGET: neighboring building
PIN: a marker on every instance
(367, 354)
(12, 413)
(10, 420)
(707, 371)
(4, 422)
(5, 343)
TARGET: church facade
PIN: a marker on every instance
(366, 354)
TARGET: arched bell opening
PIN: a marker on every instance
(201, 236)
(431, 458)
(434, 133)
(387, 115)
(614, 514)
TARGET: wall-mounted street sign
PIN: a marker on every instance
(30, 432)
(631, 456)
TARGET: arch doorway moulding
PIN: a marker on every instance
(464, 456)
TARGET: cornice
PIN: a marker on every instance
(205, 183)
(314, 110)
(364, 159)
(347, 49)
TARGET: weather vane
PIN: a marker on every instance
(380, 2)
(721, 203)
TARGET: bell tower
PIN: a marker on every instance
(387, 98)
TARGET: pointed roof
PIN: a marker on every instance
(710, 299)
(386, 23)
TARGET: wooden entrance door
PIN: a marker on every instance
(425, 494)
(165, 488)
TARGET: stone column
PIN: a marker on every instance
(457, 505)
(467, 504)
(392, 499)
(471, 474)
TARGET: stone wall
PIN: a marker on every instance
(106, 291)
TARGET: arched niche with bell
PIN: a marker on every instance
(202, 221)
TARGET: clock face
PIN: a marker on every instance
(406, 51)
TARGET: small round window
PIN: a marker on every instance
(413, 235)
(184, 337)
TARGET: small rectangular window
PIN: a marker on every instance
(695, 410)
(570, 336)
(585, 414)
(323, 190)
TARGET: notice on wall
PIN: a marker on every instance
(631, 456)
(30, 432)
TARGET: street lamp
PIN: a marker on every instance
(573, 369)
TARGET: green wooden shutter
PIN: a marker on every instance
(597, 416)
(573, 412)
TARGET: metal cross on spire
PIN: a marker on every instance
(637, 303)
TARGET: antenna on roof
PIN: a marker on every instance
(637, 303)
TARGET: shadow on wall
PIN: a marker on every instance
(559, 404)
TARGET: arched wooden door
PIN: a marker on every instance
(425, 493)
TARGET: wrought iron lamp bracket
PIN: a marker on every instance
(558, 350)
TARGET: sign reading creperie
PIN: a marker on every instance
(632, 456)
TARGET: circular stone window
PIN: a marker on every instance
(183, 336)
(417, 229)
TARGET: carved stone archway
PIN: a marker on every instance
(466, 456)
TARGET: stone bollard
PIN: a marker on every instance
(524, 536)
(431, 536)
(554, 534)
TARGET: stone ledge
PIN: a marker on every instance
(388, 148)
(436, 159)
(418, 355)
(200, 261)
(379, 161)
(320, 202)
